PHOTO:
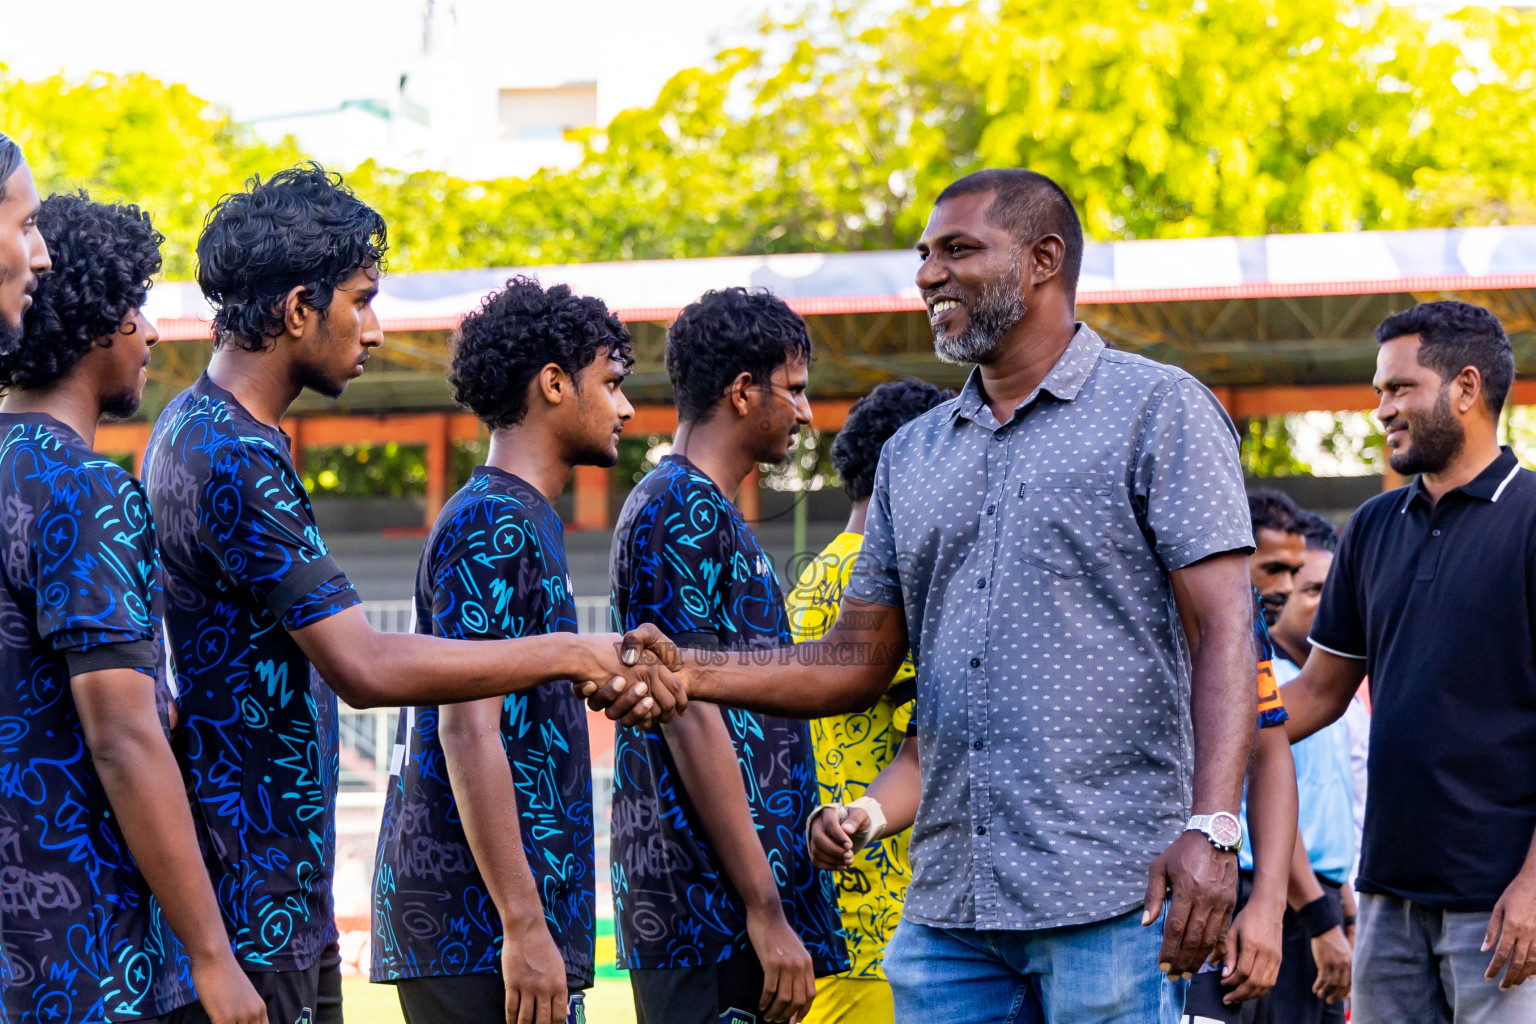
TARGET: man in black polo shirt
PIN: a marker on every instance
(1433, 595)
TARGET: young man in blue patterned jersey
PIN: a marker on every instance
(97, 846)
(265, 628)
(720, 914)
(483, 898)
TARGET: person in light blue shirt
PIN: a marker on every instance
(1315, 968)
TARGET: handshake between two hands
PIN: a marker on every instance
(636, 679)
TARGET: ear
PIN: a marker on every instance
(297, 315)
(1469, 388)
(1045, 259)
(553, 384)
(738, 392)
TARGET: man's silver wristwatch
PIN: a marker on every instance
(1222, 829)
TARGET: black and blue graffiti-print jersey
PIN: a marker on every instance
(685, 559)
(79, 592)
(494, 567)
(244, 564)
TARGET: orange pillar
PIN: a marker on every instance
(591, 497)
(438, 443)
(294, 428)
(747, 498)
(1224, 396)
(1391, 480)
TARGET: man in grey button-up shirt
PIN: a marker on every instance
(1066, 542)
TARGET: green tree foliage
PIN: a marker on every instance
(1161, 118)
(835, 130)
(134, 138)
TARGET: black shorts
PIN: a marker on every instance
(724, 993)
(292, 997)
(464, 999)
(328, 991)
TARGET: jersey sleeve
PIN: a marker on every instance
(96, 571)
(1271, 707)
(255, 518)
(486, 574)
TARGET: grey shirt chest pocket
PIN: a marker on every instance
(1066, 520)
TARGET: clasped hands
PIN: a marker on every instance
(636, 679)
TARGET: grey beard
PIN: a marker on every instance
(998, 307)
(10, 338)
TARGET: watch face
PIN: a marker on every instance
(1225, 830)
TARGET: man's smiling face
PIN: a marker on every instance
(971, 279)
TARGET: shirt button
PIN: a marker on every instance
(981, 584)
(981, 830)
(978, 744)
(991, 509)
(1435, 532)
(975, 663)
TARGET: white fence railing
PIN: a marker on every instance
(400, 616)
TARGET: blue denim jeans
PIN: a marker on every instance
(1103, 973)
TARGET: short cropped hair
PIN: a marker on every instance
(871, 422)
(104, 256)
(1319, 533)
(1028, 205)
(1273, 510)
(300, 228)
(726, 333)
(10, 161)
(519, 330)
(1453, 336)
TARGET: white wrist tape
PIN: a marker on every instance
(870, 806)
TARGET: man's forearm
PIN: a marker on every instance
(711, 774)
(845, 671)
(1320, 695)
(370, 668)
(898, 788)
(1272, 816)
(1223, 706)
(486, 799)
(143, 784)
(1303, 887)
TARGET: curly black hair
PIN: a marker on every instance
(723, 334)
(871, 422)
(519, 330)
(10, 160)
(1454, 336)
(1273, 510)
(104, 256)
(300, 228)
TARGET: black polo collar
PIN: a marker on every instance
(1487, 486)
